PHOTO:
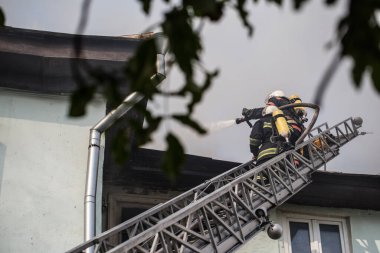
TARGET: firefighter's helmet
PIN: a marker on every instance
(276, 93)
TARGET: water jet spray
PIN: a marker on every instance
(219, 125)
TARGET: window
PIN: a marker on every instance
(305, 234)
(123, 206)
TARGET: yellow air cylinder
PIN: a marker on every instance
(295, 99)
(281, 124)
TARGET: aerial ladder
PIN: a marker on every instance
(224, 212)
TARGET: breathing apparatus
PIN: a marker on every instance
(281, 124)
(279, 120)
(281, 128)
(300, 111)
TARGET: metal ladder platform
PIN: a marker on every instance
(219, 215)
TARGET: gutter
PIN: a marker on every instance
(95, 139)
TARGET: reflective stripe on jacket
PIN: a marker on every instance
(260, 139)
(270, 152)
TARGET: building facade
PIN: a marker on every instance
(336, 213)
(43, 157)
(43, 152)
(42, 172)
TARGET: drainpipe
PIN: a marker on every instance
(95, 138)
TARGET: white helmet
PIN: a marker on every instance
(269, 109)
(276, 93)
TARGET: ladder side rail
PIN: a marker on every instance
(353, 129)
(318, 129)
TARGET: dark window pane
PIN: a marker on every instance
(299, 234)
(330, 238)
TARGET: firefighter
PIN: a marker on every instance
(295, 118)
(265, 140)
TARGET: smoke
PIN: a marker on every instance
(216, 126)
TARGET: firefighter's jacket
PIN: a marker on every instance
(294, 121)
(263, 141)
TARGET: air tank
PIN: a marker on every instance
(281, 123)
(295, 99)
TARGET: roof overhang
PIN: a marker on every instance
(41, 62)
(340, 190)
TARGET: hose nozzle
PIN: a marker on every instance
(239, 120)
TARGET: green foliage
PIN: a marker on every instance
(122, 143)
(298, 4)
(278, 2)
(143, 134)
(184, 119)
(145, 5)
(173, 158)
(79, 100)
(358, 35)
(91, 80)
(141, 67)
(206, 8)
(121, 146)
(240, 7)
(183, 41)
(330, 2)
(2, 17)
(196, 90)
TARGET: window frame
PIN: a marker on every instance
(314, 231)
(117, 201)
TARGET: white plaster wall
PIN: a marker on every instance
(261, 243)
(43, 156)
(365, 229)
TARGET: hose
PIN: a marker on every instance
(313, 120)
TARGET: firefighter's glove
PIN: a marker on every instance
(239, 120)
